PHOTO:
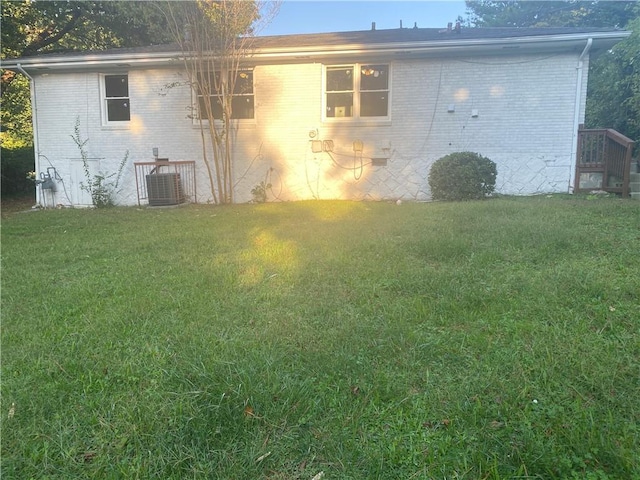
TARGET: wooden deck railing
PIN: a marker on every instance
(604, 161)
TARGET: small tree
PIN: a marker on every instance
(100, 186)
(462, 176)
(216, 36)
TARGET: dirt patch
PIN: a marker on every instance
(12, 205)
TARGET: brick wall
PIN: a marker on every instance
(525, 122)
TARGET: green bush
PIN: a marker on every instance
(16, 164)
(462, 176)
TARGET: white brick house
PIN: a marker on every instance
(386, 103)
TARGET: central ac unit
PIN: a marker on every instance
(164, 189)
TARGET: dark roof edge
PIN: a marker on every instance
(371, 41)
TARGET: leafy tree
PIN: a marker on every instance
(15, 116)
(613, 98)
(571, 13)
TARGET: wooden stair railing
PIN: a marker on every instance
(603, 161)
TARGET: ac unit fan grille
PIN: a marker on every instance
(164, 189)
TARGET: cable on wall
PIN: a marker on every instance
(521, 62)
(268, 180)
(433, 116)
(356, 169)
(257, 156)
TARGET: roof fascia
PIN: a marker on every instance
(438, 48)
(43, 64)
(91, 61)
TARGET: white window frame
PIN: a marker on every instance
(241, 121)
(356, 117)
(104, 109)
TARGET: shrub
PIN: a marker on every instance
(462, 176)
(259, 192)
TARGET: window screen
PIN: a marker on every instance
(117, 98)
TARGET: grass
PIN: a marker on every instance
(477, 340)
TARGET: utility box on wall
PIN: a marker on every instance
(164, 189)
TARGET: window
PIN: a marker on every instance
(357, 91)
(242, 98)
(117, 107)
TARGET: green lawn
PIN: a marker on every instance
(336, 340)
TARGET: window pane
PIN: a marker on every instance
(244, 83)
(339, 104)
(202, 108)
(242, 107)
(373, 104)
(339, 79)
(205, 82)
(118, 110)
(116, 86)
(216, 108)
(242, 100)
(374, 77)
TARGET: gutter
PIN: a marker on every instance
(533, 40)
(34, 123)
(77, 62)
(319, 51)
(419, 49)
(576, 114)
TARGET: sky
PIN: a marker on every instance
(306, 16)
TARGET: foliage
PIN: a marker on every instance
(479, 340)
(30, 27)
(15, 165)
(15, 116)
(259, 192)
(462, 176)
(102, 187)
(215, 37)
(511, 13)
(613, 99)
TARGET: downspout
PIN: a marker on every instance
(34, 123)
(576, 115)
